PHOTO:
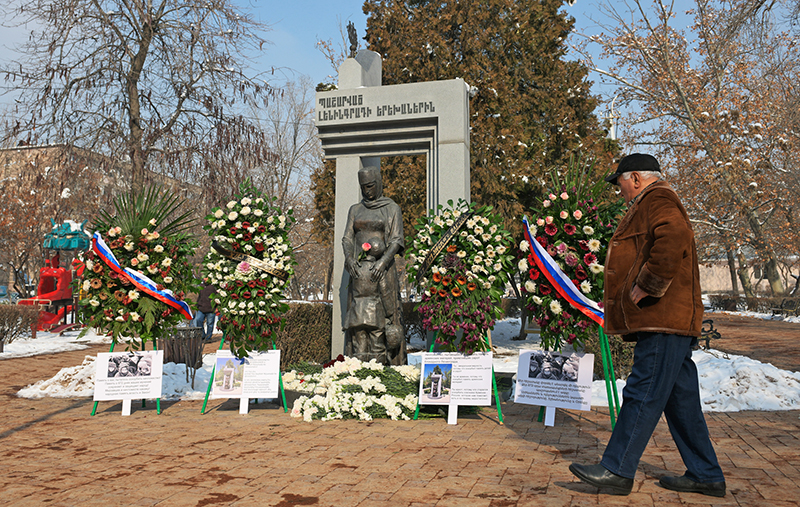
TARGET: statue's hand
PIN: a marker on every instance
(352, 265)
(377, 270)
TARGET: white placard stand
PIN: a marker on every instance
(244, 405)
(452, 414)
(126, 407)
(550, 416)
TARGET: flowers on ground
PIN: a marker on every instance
(462, 283)
(574, 228)
(352, 389)
(250, 263)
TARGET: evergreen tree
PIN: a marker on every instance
(530, 109)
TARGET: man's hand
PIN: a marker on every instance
(638, 294)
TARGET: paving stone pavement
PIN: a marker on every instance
(54, 453)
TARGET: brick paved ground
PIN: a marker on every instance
(54, 453)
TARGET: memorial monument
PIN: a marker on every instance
(362, 121)
(373, 235)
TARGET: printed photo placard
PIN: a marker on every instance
(255, 376)
(549, 379)
(128, 375)
(454, 378)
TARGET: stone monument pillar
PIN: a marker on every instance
(363, 121)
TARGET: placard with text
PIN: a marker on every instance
(549, 379)
(255, 376)
(454, 378)
(128, 375)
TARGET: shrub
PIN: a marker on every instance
(621, 355)
(725, 302)
(306, 334)
(16, 320)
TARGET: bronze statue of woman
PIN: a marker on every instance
(373, 236)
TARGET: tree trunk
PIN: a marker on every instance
(732, 269)
(744, 277)
(523, 318)
(328, 280)
(135, 142)
(774, 277)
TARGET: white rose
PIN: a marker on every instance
(231, 204)
(232, 215)
(219, 213)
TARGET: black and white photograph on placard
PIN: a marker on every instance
(131, 364)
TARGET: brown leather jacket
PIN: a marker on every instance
(654, 248)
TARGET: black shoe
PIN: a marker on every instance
(687, 485)
(599, 477)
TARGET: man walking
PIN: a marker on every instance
(652, 297)
(205, 311)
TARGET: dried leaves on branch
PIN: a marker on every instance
(719, 100)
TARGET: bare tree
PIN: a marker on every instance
(160, 82)
(710, 100)
(294, 153)
(294, 148)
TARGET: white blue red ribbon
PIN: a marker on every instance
(560, 280)
(137, 278)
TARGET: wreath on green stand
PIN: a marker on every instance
(459, 259)
(250, 262)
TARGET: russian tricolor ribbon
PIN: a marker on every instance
(560, 280)
(137, 278)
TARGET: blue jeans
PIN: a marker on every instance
(663, 380)
(209, 319)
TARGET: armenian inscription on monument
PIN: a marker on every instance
(352, 107)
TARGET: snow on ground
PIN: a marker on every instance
(728, 383)
(50, 343)
(759, 315)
